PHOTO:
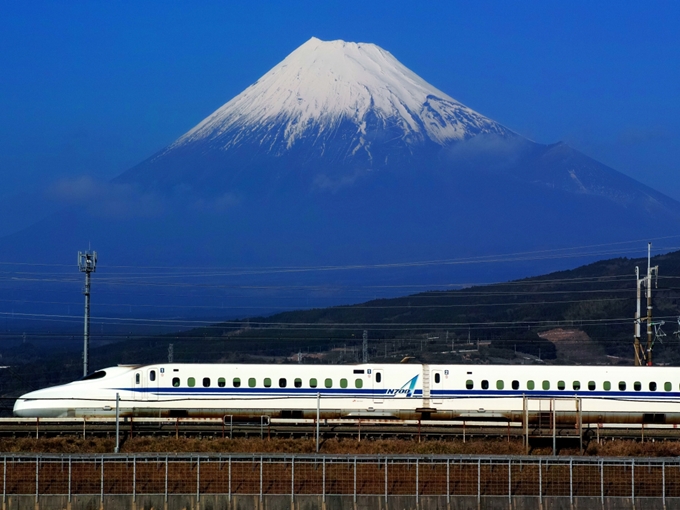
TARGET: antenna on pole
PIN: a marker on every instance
(87, 263)
(645, 356)
(639, 353)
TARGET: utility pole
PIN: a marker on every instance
(365, 347)
(639, 353)
(645, 356)
(87, 263)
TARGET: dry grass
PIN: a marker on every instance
(609, 448)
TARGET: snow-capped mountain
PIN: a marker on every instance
(325, 86)
(332, 113)
(340, 156)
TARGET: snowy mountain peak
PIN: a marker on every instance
(322, 85)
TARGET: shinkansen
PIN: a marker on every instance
(366, 391)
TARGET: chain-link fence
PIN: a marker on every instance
(339, 475)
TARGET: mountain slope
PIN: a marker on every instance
(341, 156)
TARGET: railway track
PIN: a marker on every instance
(291, 428)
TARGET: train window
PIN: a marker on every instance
(667, 386)
(175, 382)
(437, 378)
(515, 385)
(191, 382)
(282, 382)
(267, 382)
(576, 385)
(592, 385)
(561, 385)
(298, 382)
(343, 383)
(485, 384)
(313, 383)
(637, 386)
(358, 383)
(252, 382)
(237, 382)
(378, 377)
(328, 383)
(469, 384)
(546, 385)
(206, 382)
(652, 386)
(530, 385)
(94, 375)
(622, 385)
(221, 382)
(607, 385)
(152, 375)
(500, 385)
(138, 378)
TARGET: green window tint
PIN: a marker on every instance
(576, 385)
(652, 386)
(267, 382)
(546, 385)
(343, 383)
(637, 386)
(252, 382)
(622, 385)
(561, 385)
(592, 385)
(530, 385)
(313, 383)
(237, 382)
(500, 385)
(328, 383)
(221, 382)
(358, 383)
(191, 382)
(175, 382)
(298, 382)
(469, 384)
(607, 385)
(667, 386)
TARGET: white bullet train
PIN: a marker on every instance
(594, 394)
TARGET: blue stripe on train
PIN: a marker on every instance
(392, 393)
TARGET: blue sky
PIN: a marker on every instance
(92, 88)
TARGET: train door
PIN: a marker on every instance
(437, 386)
(151, 384)
(137, 386)
(378, 386)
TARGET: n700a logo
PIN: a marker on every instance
(407, 389)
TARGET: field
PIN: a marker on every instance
(495, 446)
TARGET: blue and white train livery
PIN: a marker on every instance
(367, 391)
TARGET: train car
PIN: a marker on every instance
(372, 391)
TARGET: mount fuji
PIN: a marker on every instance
(340, 156)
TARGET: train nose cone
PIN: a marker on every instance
(38, 404)
(21, 408)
